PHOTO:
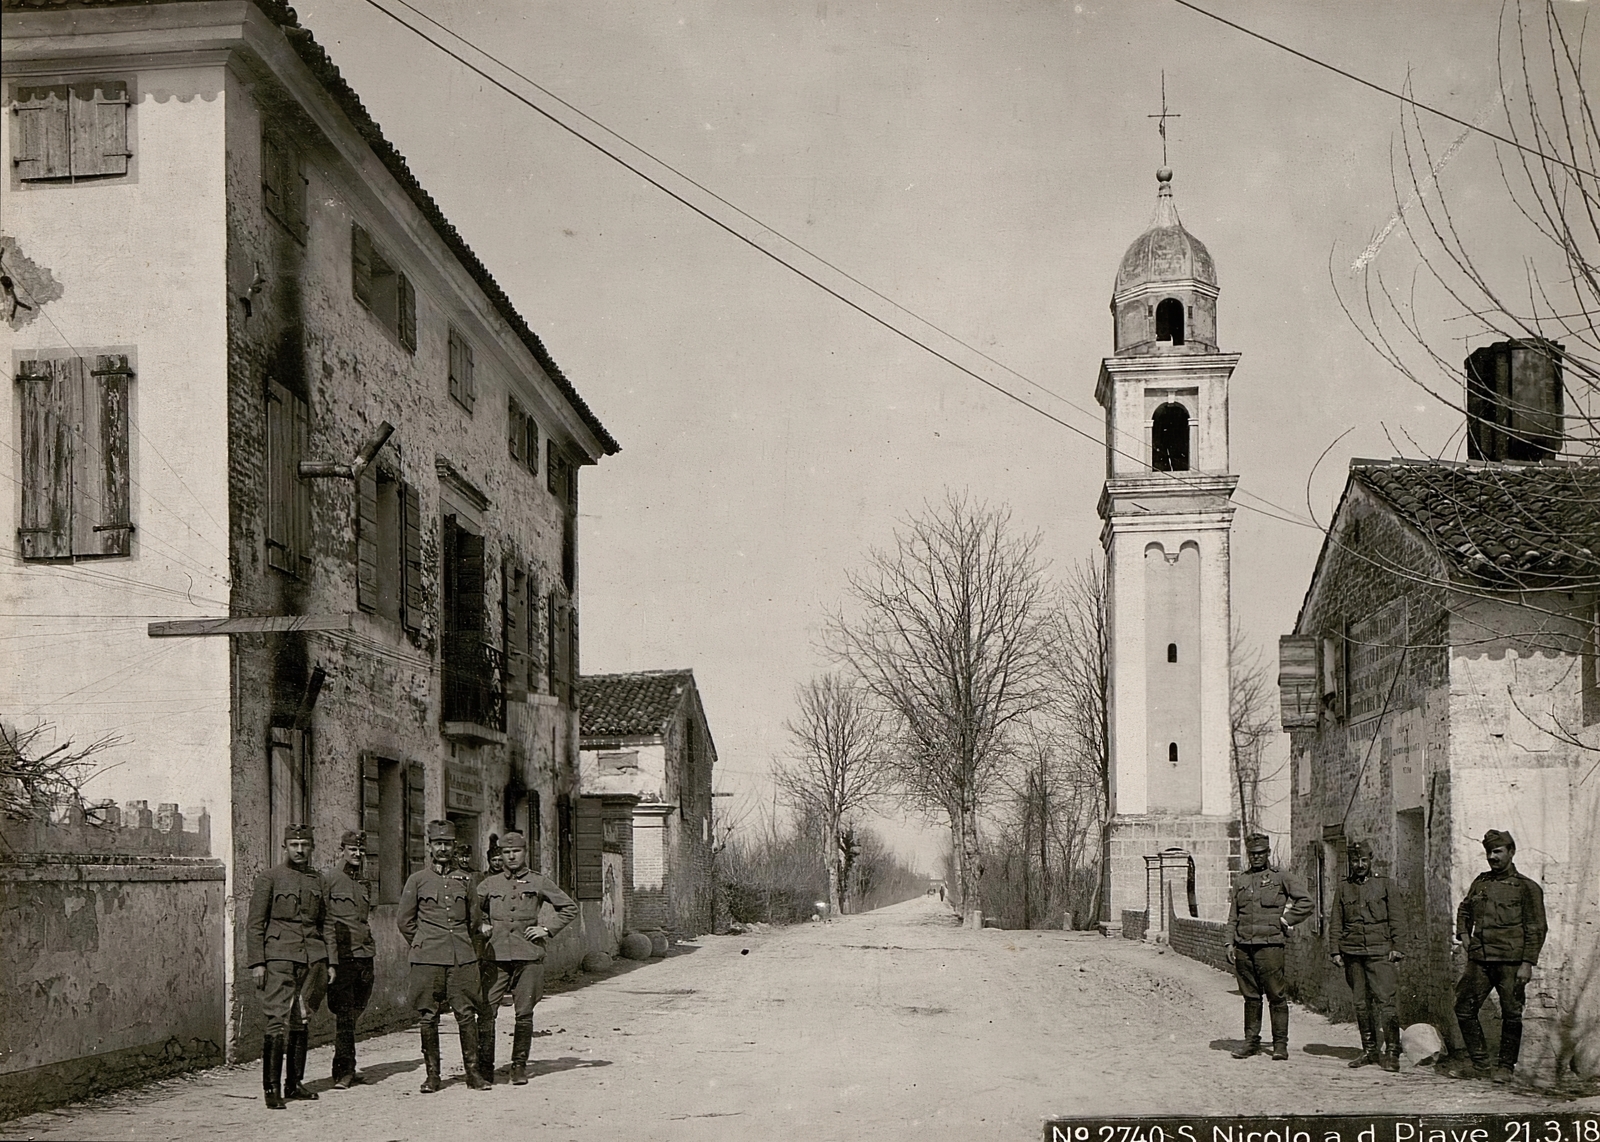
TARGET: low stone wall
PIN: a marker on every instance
(1134, 924)
(114, 973)
(1201, 940)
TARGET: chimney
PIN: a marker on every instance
(1514, 400)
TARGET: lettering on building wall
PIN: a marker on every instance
(1376, 643)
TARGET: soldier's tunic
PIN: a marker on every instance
(285, 933)
(1363, 931)
(510, 903)
(435, 917)
(1260, 905)
(1502, 922)
(349, 907)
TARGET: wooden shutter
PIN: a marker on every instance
(279, 424)
(411, 558)
(272, 175)
(553, 645)
(367, 539)
(572, 656)
(299, 490)
(514, 617)
(516, 422)
(361, 265)
(101, 523)
(470, 610)
(588, 842)
(41, 143)
(470, 381)
(406, 312)
(416, 833)
(533, 628)
(99, 127)
(48, 420)
(372, 814)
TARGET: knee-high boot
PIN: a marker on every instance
(486, 1047)
(1280, 1031)
(1369, 1041)
(1252, 1030)
(1389, 1058)
(344, 1051)
(299, 1042)
(272, 1071)
(468, 1030)
(430, 1057)
(521, 1041)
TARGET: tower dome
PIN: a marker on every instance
(1165, 298)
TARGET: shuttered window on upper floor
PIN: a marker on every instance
(515, 619)
(383, 289)
(522, 435)
(70, 131)
(74, 447)
(288, 506)
(283, 183)
(463, 382)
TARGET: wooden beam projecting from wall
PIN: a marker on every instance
(257, 624)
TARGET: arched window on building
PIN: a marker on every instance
(1172, 752)
(1169, 439)
(1172, 652)
(1169, 321)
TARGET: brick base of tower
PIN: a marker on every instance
(1214, 842)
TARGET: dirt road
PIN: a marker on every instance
(896, 1024)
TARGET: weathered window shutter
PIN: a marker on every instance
(516, 421)
(406, 318)
(416, 835)
(471, 377)
(371, 814)
(361, 265)
(572, 656)
(288, 499)
(531, 447)
(552, 661)
(1297, 682)
(99, 112)
(41, 143)
(462, 387)
(48, 419)
(272, 189)
(101, 523)
(588, 843)
(367, 539)
(533, 628)
(553, 471)
(470, 609)
(514, 618)
(411, 558)
(299, 490)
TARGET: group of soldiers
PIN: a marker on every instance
(1500, 922)
(475, 939)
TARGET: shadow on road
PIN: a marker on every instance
(537, 1067)
(1226, 1044)
(1330, 1051)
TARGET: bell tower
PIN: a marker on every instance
(1167, 510)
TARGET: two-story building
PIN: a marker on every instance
(292, 487)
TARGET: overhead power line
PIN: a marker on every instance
(1097, 438)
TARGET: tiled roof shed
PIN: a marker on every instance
(1511, 526)
(630, 705)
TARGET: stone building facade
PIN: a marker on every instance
(322, 422)
(645, 735)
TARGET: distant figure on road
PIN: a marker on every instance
(435, 917)
(1364, 945)
(1502, 923)
(349, 905)
(941, 894)
(1266, 903)
(284, 939)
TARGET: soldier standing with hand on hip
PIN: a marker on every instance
(1266, 903)
(508, 910)
(435, 917)
(284, 939)
(349, 905)
(1363, 940)
(1502, 923)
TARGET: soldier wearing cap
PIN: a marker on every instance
(349, 905)
(1266, 902)
(1501, 921)
(508, 910)
(1363, 937)
(285, 937)
(435, 917)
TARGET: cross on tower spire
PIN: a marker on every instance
(1163, 117)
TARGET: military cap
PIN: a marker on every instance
(1258, 843)
(441, 831)
(353, 838)
(513, 841)
(298, 833)
(1359, 849)
(1494, 838)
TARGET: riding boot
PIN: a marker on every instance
(1510, 1048)
(1369, 1042)
(486, 1048)
(299, 1041)
(344, 1052)
(430, 1057)
(271, 1071)
(1280, 1032)
(1472, 1037)
(521, 1041)
(468, 1030)
(1389, 1057)
(1252, 1030)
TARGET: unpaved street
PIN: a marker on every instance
(895, 1024)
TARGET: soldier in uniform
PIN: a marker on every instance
(349, 905)
(284, 940)
(435, 917)
(508, 911)
(1266, 903)
(1363, 939)
(1501, 922)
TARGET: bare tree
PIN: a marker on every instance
(838, 768)
(1252, 720)
(949, 635)
(34, 781)
(1080, 662)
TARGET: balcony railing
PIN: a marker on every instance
(473, 681)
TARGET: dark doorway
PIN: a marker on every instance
(1169, 321)
(1169, 439)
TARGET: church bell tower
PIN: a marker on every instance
(1167, 510)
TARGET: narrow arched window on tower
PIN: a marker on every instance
(1172, 752)
(1169, 321)
(1172, 652)
(1169, 439)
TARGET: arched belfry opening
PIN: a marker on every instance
(1169, 438)
(1169, 321)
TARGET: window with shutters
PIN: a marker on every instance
(69, 132)
(383, 289)
(283, 184)
(522, 436)
(463, 382)
(74, 447)
(471, 665)
(383, 544)
(514, 581)
(566, 869)
(288, 496)
(392, 815)
(288, 783)
(559, 646)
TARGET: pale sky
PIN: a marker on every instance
(983, 164)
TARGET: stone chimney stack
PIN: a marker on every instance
(1514, 401)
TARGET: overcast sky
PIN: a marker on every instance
(983, 164)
